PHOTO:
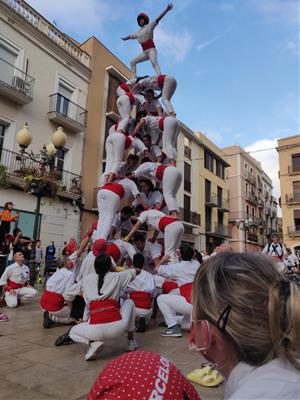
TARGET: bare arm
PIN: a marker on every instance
(82, 246)
(125, 37)
(138, 127)
(134, 229)
(167, 9)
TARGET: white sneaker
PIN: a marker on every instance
(131, 345)
(94, 349)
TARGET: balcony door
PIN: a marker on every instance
(297, 220)
(296, 191)
(63, 99)
(8, 60)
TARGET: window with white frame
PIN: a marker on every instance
(9, 54)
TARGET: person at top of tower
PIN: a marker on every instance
(145, 37)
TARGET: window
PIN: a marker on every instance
(65, 93)
(207, 191)
(208, 219)
(219, 196)
(187, 177)
(247, 211)
(220, 218)
(247, 188)
(220, 169)
(297, 219)
(209, 161)
(113, 85)
(187, 208)
(2, 133)
(8, 59)
(60, 159)
(296, 190)
(296, 162)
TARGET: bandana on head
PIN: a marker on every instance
(99, 246)
(142, 375)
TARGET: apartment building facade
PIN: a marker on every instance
(44, 78)
(253, 208)
(289, 173)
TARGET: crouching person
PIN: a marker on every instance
(52, 301)
(141, 290)
(15, 280)
(101, 290)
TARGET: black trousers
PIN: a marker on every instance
(77, 308)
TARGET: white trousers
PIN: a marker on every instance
(150, 54)
(22, 294)
(173, 236)
(143, 312)
(172, 304)
(114, 147)
(108, 204)
(85, 332)
(62, 316)
(168, 90)
(170, 184)
(125, 108)
(169, 137)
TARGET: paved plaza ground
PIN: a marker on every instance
(32, 368)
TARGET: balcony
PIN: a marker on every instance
(252, 237)
(41, 24)
(69, 183)
(259, 185)
(15, 84)
(252, 198)
(223, 205)
(64, 112)
(261, 204)
(292, 198)
(268, 212)
(257, 222)
(211, 200)
(218, 230)
(250, 177)
(187, 152)
(294, 230)
(266, 195)
(189, 217)
(293, 170)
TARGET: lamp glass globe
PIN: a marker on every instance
(51, 150)
(59, 138)
(24, 137)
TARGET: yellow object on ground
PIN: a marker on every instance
(206, 376)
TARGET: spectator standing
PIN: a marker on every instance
(50, 251)
(6, 218)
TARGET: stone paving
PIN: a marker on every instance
(31, 367)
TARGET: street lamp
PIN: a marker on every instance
(44, 158)
(244, 225)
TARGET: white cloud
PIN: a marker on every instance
(174, 45)
(282, 11)
(268, 158)
(208, 42)
(292, 46)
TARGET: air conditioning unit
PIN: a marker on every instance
(21, 85)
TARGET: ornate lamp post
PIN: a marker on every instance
(244, 225)
(45, 158)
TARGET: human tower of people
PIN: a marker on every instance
(101, 296)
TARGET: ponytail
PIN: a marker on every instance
(284, 317)
(102, 265)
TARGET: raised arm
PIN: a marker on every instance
(134, 229)
(167, 9)
(138, 127)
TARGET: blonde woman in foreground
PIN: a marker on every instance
(247, 321)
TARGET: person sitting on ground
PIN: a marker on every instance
(141, 291)
(127, 377)
(246, 320)
(15, 280)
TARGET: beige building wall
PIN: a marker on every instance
(253, 208)
(289, 173)
(32, 47)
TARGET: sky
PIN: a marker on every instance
(236, 61)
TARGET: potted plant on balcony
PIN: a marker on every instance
(3, 177)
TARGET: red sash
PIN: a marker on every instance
(115, 188)
(160, 172)
(164, 221)
(124, 87)
(161, 80)
(141, 299)
(51, 301)
(148, 44)
(168, 286)
(186, 291)
(161, 123)
(11, 285)
(113, 251)
(104, 311)
(128, 141)
(131, 97)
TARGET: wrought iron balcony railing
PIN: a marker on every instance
(211, 200)
(294, 230)
(15, 84)
(250, 177)
(67, 113)
(293, 198)
(252, 198)
(218, 230)
(18, 168)
(293, 169)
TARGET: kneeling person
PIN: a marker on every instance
(52, 301)
(141, 290)
(15, 280)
